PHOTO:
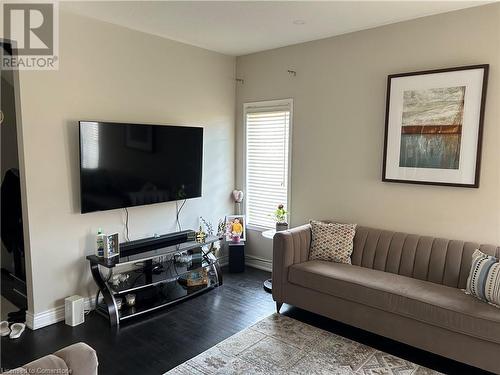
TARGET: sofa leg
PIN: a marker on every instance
(278, 306)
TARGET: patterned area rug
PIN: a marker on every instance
(282, 345)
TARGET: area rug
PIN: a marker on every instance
(282, 345)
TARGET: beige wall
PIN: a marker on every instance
(338, 130)
(115, 74)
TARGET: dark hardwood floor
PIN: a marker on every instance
(162, 340)
(170, 337)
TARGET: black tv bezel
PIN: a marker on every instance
(82, 211)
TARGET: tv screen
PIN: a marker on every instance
(125, 165)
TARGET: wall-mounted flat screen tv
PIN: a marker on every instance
(125, 165)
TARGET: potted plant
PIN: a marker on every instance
(280, 216)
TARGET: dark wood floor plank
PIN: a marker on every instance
(162, 340)
(167, 338)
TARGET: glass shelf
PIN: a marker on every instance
(130, 257)
(154, 277)
(161, 295)
(170, 271)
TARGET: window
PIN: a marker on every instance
(267, 139)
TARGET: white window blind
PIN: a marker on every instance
(267, 149)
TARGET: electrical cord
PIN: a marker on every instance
(140, 272)
(178, 212)
(126, 225)
(178, 224)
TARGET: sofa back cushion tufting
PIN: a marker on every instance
(437, 260)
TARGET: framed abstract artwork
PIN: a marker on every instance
(434, 126)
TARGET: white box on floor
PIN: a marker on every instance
(73, 310)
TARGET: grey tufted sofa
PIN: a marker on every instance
(403, 286)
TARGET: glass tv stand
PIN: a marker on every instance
(154, 279)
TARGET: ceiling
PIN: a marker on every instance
(243, 27)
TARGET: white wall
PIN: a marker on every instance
(115, 74)
(338, 130)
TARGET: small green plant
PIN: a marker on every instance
(280, 214)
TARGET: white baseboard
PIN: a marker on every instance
(52, 316)
(44, 318)
(259, 263)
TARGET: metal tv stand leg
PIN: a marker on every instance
(109, 300)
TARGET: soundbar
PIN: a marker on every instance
(153, 243)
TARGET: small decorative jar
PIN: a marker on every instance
(130, 299)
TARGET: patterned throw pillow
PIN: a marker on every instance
(332, 241)
(484, 278)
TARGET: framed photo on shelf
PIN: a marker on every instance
(434, 126)
(235, 225)
(111, 246)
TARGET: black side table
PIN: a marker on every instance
(236, 257)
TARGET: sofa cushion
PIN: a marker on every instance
(80, 358)
(484, 278)
(427, 302)
(49, 362)
(332, 241)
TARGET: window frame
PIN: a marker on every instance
(262, 106)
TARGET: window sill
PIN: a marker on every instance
(258, 228)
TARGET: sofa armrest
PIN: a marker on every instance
(289, 247)
(80, 358)
(45, 365)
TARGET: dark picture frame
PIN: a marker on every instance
(444, 154)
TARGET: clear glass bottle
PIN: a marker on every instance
(100, 239)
